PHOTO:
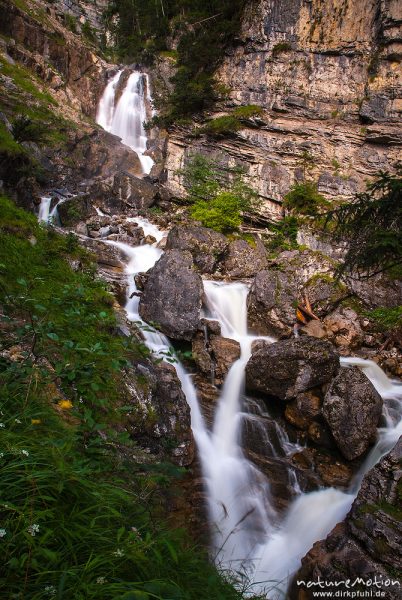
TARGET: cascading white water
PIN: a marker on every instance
(46, 215)
(126, 119)
(44, 209)
(248, 536)
(104, 115)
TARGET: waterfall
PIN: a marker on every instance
(126, 118)
(45, 215)
(249, 537)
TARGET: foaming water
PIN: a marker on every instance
(249, 537)
(126, 118)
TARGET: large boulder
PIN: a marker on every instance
(270, 303)
(133, 191)
(289, 367)
(159, 412)
(366, 545)
(172, 296)
(352, 408)
(244, 259)
(76, 209)
(206, 246)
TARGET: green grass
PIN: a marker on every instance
(248, 111)
(386, 318)
(81, 513)
(222, 126)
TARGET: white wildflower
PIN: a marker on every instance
(101, 580)
(118, 552)
(17, 421)
(1, 454)
(2, 425)
(51, 590)
(33, 529)
(2, 533)
(136, 532)
(25, 452)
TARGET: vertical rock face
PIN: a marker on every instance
(367, 544)
(326, 74)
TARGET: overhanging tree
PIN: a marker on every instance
(372, 226)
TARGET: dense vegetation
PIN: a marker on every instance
(200, 30)
(81, 513)
(217, 193)
(372, 225)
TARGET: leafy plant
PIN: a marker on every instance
(222, 126)
(24, 129)
(304, 199)
(248, 111)
(218, 194)
(281, 47)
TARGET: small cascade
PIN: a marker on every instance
(126, 118)
(44, 209)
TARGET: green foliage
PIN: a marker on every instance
(221, 213)
(25, 130)
(304, 199)
(218, 193)
(79, 519)
(281, 47)
(222, 126)
(71, 22)
(284, 235)
(371, 223)
(203, 30)
(248, 111)
(89, 32)
(387, 318)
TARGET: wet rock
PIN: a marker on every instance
(352, 408)
(367, 544)
(270, 303)
(302, 411)
(135, 232)
(215, 355)
(74, 210)
(325, 293)
(160, 412)
(106, 255)
(206, 246)
(288, 367)
(244, 260)
(343, 328)
(172, 296)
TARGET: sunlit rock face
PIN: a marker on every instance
(326, 75)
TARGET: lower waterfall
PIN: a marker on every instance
(248, 536)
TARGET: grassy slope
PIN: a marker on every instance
(70, 497)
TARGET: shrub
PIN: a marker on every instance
(248, 111)
(281, 47)
(25, 130)
(304, 199)
(222, 126)
(284, 235)
(222, 213)
(218, 193)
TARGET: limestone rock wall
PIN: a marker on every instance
(327, 74)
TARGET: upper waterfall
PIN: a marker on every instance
(126, 117)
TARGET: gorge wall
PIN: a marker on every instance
(327, 77)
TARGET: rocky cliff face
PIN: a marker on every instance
(326, 75)
(67, 65)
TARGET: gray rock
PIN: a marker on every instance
(172, 296)
(206, 246)
(286, 368)
(367, 544)
(133, 191)
(270, 303)
(244, 260)
(352, 408)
